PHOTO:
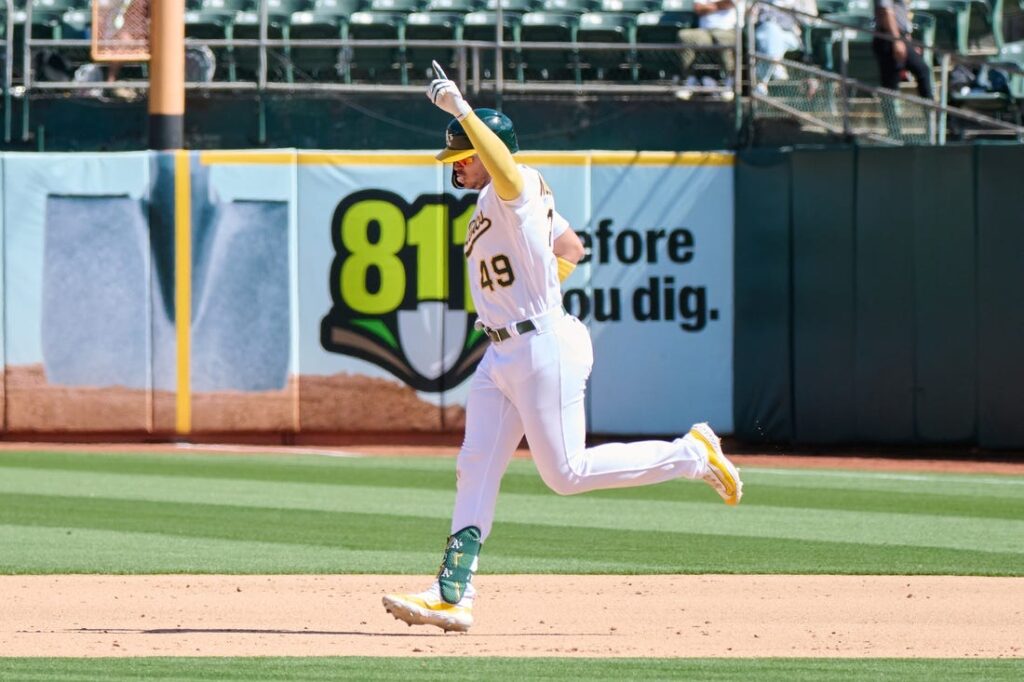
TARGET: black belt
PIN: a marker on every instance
(502, 334)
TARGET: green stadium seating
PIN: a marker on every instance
(861, 64)
(629, 6)
(452, 6)
(343, 8)
(568, 6)
(661, 27)
(377, 63)
(319, 63)
(483, 26)
(607, 27)
(51, 8)
(46, 18)
(832, 6)
(678, 6)
(826, 42)
(986, 27)
(550, 64)
(952, 21)
(229, 5)
(924, 32)
(431, 26)
(215, 21)
(77, 23)
(247, 27)
(395, 5)
(1012, 55)
(518, 6)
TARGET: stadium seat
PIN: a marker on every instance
(629, 6)
(318, 63)
(827, 45)
(986, 26)
(46, 18)
(550, 64)
(832, 6)
(678, 6)
(661, 27)
(215, 21)
(924, 32)
(1012, 55)
(52, 8)
(517, 6)
(247, 27)
(395, 5)
(483, 26)
(568, 6)
(431, 26)
(343, 8)
(452, 6)
(607, 27)
(377, 63)
(963, 24)
(952, 19)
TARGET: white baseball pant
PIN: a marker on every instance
(534, 384)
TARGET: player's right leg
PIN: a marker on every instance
(493, 430)
(550, 400)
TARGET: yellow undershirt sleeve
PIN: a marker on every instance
(565, 268)
(497, 159)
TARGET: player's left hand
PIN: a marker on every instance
(445, 95)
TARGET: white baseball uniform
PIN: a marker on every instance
(534, 382)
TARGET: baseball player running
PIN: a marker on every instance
(533, 376)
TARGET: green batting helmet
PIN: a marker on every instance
(457, 145)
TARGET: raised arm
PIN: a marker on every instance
(497, 159)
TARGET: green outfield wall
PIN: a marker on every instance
(880, 296)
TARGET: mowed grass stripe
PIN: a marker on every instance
(35, 551)
(753, 519)
(440, 669)
(513, 547)
(855, 493)
(439, 472)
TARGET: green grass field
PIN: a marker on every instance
(195, 513)
(133, 513)
(445, 670)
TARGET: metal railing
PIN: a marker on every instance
(468, 56)
(836, 103)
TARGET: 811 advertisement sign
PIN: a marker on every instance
(398, 302)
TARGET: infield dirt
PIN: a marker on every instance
(592, 616)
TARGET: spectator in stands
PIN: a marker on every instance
(895, 56)
(717, 27)
(777, 32)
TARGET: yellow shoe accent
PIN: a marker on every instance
(424, 609)
(722, 475)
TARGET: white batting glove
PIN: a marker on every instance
(445, 95)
